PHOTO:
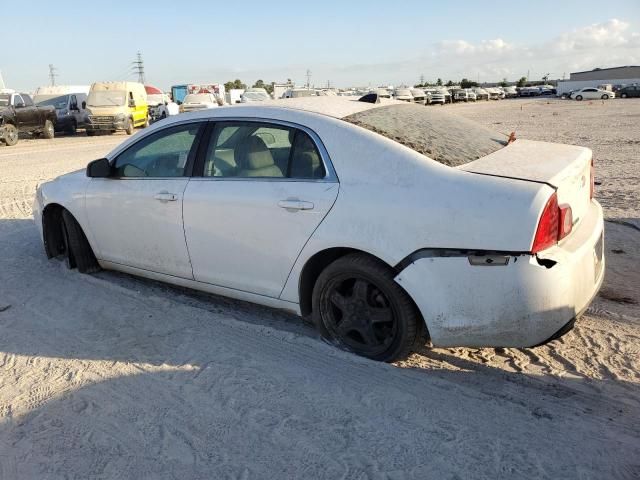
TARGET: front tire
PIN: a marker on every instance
(79, 253)
(624, 95)
(358, 306)
(130, 127)
(10, 134)
(605, 97)
(579, 98)
(48, 131)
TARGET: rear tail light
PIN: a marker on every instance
(565, 223)
(556, 222)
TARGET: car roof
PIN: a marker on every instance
(331, 106)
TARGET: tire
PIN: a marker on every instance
(146, 122)
(10, 134)
(79, 253)
(129, 127)
(73, 128)
(90, 133)
(605, 97)
(48, 131)
(579, 98)
(349, 293)
(623, 95)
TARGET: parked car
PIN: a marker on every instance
(157, 102)
(591, 93)
(419, 96)
(460, 95)
(629, 91)
(18, 114)
(198, 101)
(471, 95)
(254, 95)
(403, 94)
(114, 106)
(448, 230)
(510, 92)
(71, 111)
(481, 94)
(437, 97)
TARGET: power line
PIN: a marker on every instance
(138, 67)
(52, 74)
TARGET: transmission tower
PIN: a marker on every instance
(308, 75)
(52, 74)
(138, 67)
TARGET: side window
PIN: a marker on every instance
(305, 158)
(248, 150)
(27, 100)
(163, 154)
(17, 100)
(73, 103)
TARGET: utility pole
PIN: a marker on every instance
(52, 74)
(422, 79)
(2, 87)
(308, 79)
(138, 67)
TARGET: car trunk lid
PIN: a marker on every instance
(567, 168)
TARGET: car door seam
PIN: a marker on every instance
(295, 262)
(184, 232)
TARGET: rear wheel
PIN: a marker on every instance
(579, 98)
(605, 97)
(79, 253)
(48, 131)
(358, 306)
(624, 95)
(10, 134)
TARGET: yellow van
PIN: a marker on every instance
(117, 106)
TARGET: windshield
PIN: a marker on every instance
(446, 138)
(4, 100)
(255, 96)
(155, 98)
(106, 98)
(56, 102)
(199, 98)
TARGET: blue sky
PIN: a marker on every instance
(347, 43)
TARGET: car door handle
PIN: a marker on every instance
(295, 204)
(166, 197)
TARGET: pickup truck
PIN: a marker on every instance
(18, 114)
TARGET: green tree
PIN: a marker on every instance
(503, 83)
(449, 83)
(237, 83)
(522, 81)
(267, 86)
(439, 82)
(466, 83)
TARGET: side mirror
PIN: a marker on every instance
(132, 104)
(84, 104)
(74, 106)
(99, 168)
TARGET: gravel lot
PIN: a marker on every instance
(109, 376)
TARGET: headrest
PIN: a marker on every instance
(253, 153)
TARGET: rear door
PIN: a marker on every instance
(135, 216)
(262, 191)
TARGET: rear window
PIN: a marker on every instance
(446, 138)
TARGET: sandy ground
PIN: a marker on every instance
(109, 376)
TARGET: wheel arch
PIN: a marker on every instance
(52, 234)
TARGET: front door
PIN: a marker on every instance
(263, 190)
(135, 216)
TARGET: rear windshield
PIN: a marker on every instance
(446, 138)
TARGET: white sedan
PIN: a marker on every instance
(592, 93)
(387, 223)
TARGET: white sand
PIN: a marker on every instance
(111, 377)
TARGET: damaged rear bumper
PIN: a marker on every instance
(522, 301)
